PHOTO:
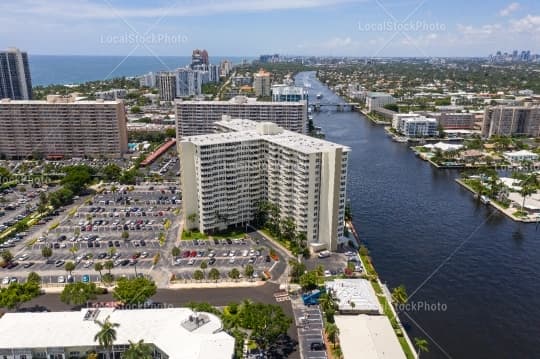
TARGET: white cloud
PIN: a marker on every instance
(107, 10)
(511, 8)
(481, 31)
(529, 23)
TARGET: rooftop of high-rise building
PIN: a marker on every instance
(247, 130)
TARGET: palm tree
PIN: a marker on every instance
(138, 350)
(421, 345)
(399, 295)
(69, 267)
(106, 334)
(98, 267)
(332, 331)
(327, 302)
(204, 265)
(109, 265)
(528, 187)
(74, 250)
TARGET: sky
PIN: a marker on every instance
(252, 27)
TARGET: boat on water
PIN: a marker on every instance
(319, 96)
(484, 199)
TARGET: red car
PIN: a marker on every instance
(186, 254)
(193, 254)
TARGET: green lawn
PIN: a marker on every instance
(188, 235)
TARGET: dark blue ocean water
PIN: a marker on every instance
(425, 231)
(48, 69)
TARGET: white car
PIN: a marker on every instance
(24, 257)
(5, 281)
(144, 254)
(191, 261)
(61, 279)
(327, 273)
(231, 261)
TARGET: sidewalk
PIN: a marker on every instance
(241, 284)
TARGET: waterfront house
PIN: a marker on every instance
(520, 156)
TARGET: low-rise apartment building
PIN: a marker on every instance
(225, 177)
(199, 117)
(415, 125)
(170, 333)
(62, 127)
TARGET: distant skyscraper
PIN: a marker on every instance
(261, 83)
(226, 67)
(15, 81)
(204, 56)
(199, 57)
(189, 82)
(166, 84)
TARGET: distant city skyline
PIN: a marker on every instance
(368, 28)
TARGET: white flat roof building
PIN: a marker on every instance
(354, 296)
(71, 334)
(414, 125)
(368, 337)
(519, 156)
(225, 176)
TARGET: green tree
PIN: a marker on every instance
(138, 350)
(204, 265)
(77, 177)
(297, 269)
(135, 109)
(198, 275)
(6, 256)
(421, 345)
(248, 271)
(15, 294)
(43, 204)
(309, 280)
(399, 295)
(214, 274)
(332, 331)
(125, 235)
(529, 185)
(98, 267)
(134, 291)
(234, 273)
(74, 249)
(111, 172)
(175, 251)
(108, 265)
(267, 322)
(288, 229)
(69, 267)
(78, 293)
(106, 334)
(46, 252)
(33, 277)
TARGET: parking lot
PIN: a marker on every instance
(310, 330)
(222, 254)
(122, 226)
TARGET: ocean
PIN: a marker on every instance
(51, 69)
